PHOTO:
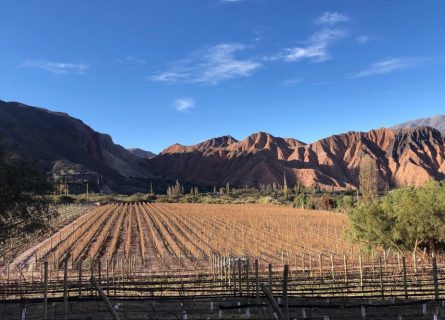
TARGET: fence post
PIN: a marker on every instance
(382, 291)
(285, 286)
(436, 280)
(104, 297)
(273, 303)
(360, 262)
(248, 277)
(65, 287)
(239, 278)
(234, 276)
(80, 279)
(405, 285)
(45, 290)
(257, 289)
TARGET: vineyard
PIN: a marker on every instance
(219, 256)
(156, 237)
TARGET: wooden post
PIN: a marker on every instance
(382, 291)
(405, 286)
(99, 266)
(270, 278)
(239, 278)
(332, 267)
(436, 280)
(310, 266)
(45, 291)
(320, 262)
(360, 262)
(273, 303)
(257, 288)
(234, 275)
(65, 287)
(285, 286)
(345, 263)
(104, 297)
(248, 277)
(302, 265)
(80, 279)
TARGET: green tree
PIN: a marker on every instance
(24, 203)
(407, 219)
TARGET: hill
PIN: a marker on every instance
(404, 157)
(67, 148)
(437, 122)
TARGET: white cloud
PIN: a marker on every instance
(386, 66)
(57, 67)
(315, 49)
(362, 39)
(184, 104)
(331, 18)
(210, 66)
(132, 60)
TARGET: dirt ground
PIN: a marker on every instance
(226, 308)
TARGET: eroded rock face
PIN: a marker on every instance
(57, 143)
(403, 156)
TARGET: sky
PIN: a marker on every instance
(153, 73)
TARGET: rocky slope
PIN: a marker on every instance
(141, 153)
(404, 157)
(69, 149)
(437, 122)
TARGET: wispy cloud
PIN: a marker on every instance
(184, 104)
(331, 18)
(210, 66)
(386, 66)
(316, 48)
(132, 60)
(57, 67)
(362, 39)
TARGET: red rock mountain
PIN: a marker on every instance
(404, 157)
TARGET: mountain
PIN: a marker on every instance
(437, 122)
(404, 157)
(141, 153)
(69, 149)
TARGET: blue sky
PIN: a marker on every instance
(152, 73)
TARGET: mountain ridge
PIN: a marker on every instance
(404, 157)
(437, 122)
(66, 147)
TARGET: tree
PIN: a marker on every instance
(228, 188)
(285, 189)
(24, 205)
(368, 178)
(407, 219)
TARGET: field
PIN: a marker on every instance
(156, 237)
(192, 256)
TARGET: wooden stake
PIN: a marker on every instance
(285, 286)
(272, 302)
(104, 297)
(436, 280)
(65, 288)
(382, 291)
(45, 291)
(405, 286)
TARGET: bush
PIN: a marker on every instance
(405, 219)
